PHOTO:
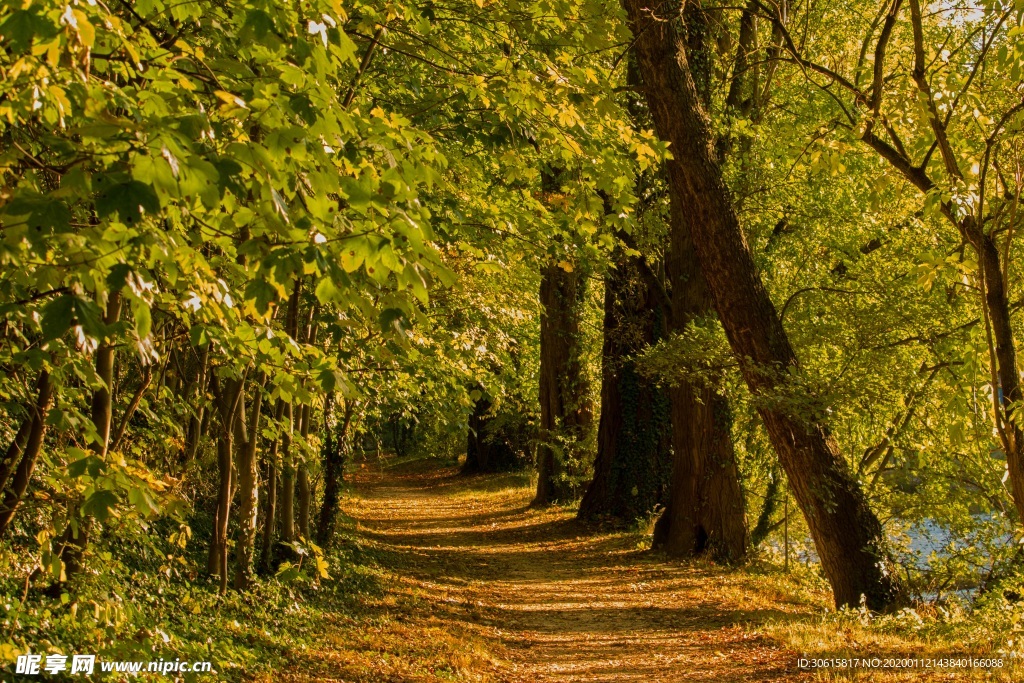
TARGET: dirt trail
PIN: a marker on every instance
(555, 602)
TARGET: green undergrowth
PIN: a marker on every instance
(145, 604)
(987, 629)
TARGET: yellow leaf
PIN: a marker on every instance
(228, 98)
(565, 265)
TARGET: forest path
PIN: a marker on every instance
(529, 595)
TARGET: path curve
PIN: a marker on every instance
(559, 603)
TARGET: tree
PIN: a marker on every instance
(846, 532)
(631, 470)
(565, 416)
(966, 199)
(705, 510)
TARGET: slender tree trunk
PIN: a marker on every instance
(335, 450)
(22, 458)
(474, 433)
(633, 461)
(140, 392)
(705, 512)
(287, 523)
(231, 406)
(564, 403)
(248, 491)
(302, 479)
(287, 532)
(270, 511)
(76, 537)
(196, 423)
(846, 532)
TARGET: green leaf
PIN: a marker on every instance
(58, 316)
(100, 504)
(24, 26)
(143, 318)
(129, 201)
(143, 501)
(354, 253)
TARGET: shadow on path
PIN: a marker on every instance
(564, 603)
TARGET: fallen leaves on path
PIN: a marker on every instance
(485, 588)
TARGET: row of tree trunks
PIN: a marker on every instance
(846, 532)
(565, 411)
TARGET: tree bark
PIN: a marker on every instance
(287, 531)
(248, 491)
(24, 456)
(705, 512)
(335, 450)
(270, 511)
(75, 539)
(564, 404)
(230, 406)
(631, 470)
(846, 532)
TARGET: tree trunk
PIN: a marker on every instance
(270, 511)
(705, 512)
(564, 404)
(75, 540)
(846, 532)
(23, 454)
(230, 406)
(287, 532)
(248, 491)
(305, 492)
(196, 421)
(334, 451)
(476, 457)
(633, 461)
(997, 304)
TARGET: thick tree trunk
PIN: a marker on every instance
(248, 491)
(565, 413)
(270, 509)
(997, 304)
(631, 471)
(846, 532)
(491, 446)
(22, 454)
(705, 512)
